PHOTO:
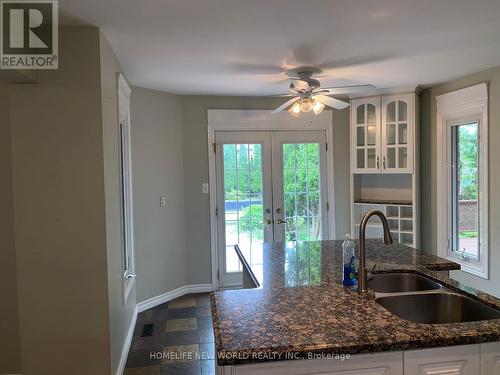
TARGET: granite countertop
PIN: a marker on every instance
(301, 307)
(384, 201)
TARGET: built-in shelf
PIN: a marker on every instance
(385, 165)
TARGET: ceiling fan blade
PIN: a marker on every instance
(248, 68)
(299, 85)
(352, 89)
(331, 102)
(290, 94)
(286, 105)
(354, 61)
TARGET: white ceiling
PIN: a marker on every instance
(211, 46)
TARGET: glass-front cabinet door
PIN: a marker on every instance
(365, 114)
(397, 133)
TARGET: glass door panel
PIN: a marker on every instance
(403, 134)
(391, 157)
(391, 134)
(360, 139)
(402, 112)
(360, 114)
(391, 112)
(371, 135)
(299, 185)
(244, 195)
(257, 203)
(365, 146)
(371, 155)
(403, 157)
(371, 117)
(360, 158)
(397, 134)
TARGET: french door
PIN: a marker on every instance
(271, 187)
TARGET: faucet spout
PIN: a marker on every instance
(362, 280)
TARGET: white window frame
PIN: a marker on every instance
(461, 107)
(126, 203)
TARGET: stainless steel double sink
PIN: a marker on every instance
(419, 299)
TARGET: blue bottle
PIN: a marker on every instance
(349, 262)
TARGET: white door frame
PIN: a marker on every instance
(255, 120)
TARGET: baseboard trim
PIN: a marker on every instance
(126, 344)
(173, 294)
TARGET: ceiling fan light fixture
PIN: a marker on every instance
(294, 110)
(317, 107)
(306, 105)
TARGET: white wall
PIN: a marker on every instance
(158, 168)
(10, 361)
(59, 214)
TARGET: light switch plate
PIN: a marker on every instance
(204, 188)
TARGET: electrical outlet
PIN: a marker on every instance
(163, 201)
(204, 188)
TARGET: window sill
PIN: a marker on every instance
(474, 268)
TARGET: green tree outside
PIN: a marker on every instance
(243, 183)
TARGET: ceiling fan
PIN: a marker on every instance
(308, 95)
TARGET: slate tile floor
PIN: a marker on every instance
(182, 326)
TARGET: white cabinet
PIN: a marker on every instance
(388, 363)
(398, 124)
(365, 135)
(383, 134)
(490, 358)
(453, 360)
(483, 359)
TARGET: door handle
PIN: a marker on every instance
(268, 221)
(378, 162)
(383, 162)
(281, 221)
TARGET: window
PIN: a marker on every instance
(125, 187)
(463, 178)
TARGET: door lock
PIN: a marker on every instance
(279, 210)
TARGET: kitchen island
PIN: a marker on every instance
(300, 310)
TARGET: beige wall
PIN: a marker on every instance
(160, 237)
(194, 120)
(429, 173)
(59, 210)
(9, 327)
(120, 314)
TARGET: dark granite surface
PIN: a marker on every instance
(301, 306)
(384, 201)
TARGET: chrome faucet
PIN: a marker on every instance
(362, 279)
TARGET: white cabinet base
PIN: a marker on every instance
(490, 358)
(483, 359)
(453, 360)
(388, 363)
